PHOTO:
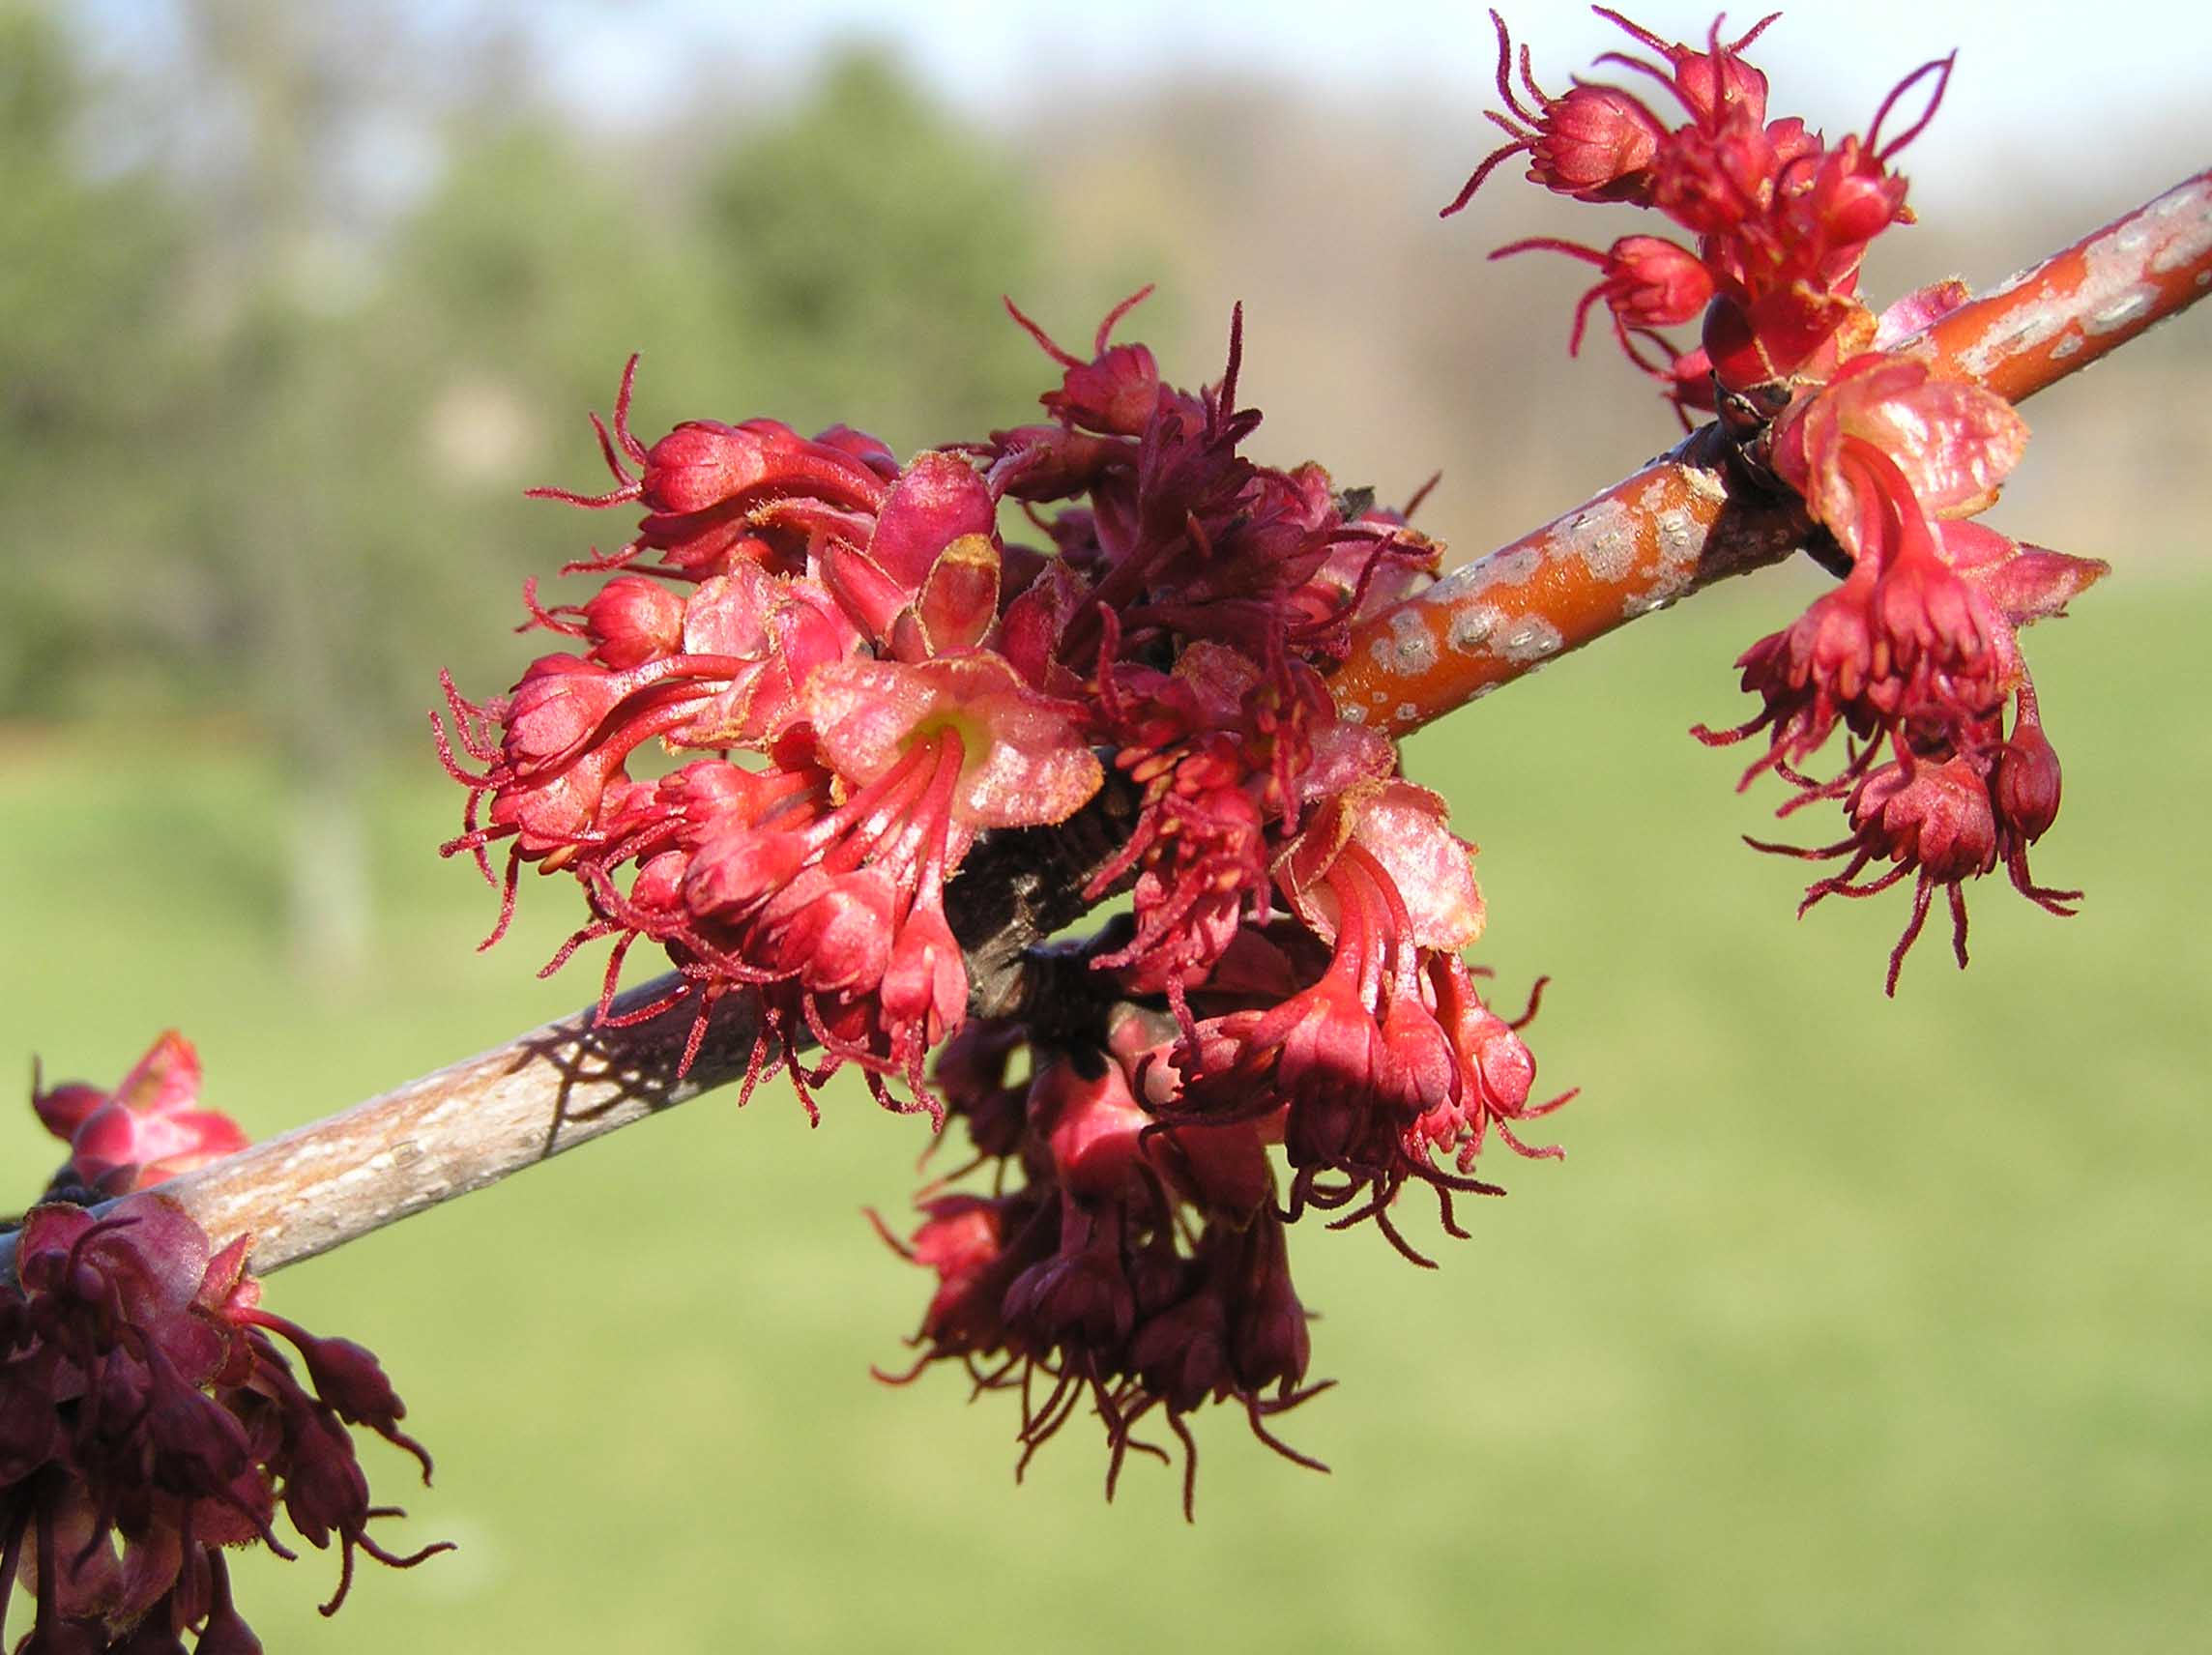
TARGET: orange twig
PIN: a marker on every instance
(2066, 312)
(1674, 525)
(1684, 521)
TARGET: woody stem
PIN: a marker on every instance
(1689, 519)
(1672, 528)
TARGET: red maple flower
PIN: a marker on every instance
(716, 494)
(1781, 219)
(1363, 1077)
(1920, 638)
(1228, 763)
(1112, 393)
(1138, 1267)
(1917, 650)
(863, 676)
(1594, 143)
(844, 638)
(146, 1421)
(1646, 283)
(144, 1131)
(1944, 820)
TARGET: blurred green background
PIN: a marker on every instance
(1847, 1324)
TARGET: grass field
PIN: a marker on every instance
(1846, 1324)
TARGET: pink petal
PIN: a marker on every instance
(1027, 761)
(167, 1076)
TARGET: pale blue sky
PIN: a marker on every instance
(2105, 102)
(2060, 82)
(2044, 89)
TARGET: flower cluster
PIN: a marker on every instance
(1915, 655)
(862, 675)
(1136, 1266)
(816, 606)
(148, 1418)
(1780, 218)
(1131, 1248)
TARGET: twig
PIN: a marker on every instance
(457, 1130)
(1681, 523)
(1685, 520)
(472, 1123)
(1675, 527)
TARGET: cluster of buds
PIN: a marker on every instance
(1131, 1249)
(148, 1418)
(1114, 1258)
(1780, 218)
(860, 676)
(1915, 654)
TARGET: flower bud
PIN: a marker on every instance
(1595, 143)
(1092, 1124)
(633, 620)
(2028, 779)
(1934, 817)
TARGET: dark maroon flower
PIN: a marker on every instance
(147, 1422)
(1137, 1268)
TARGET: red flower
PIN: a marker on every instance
(1920, 636)
(1228, 765)
(1114, 394)
(1945, 821)
(1137, 1268)
(1594, 143)
(1496, 1071)
(848, 643)
(1952, 445)
(1917, 650)
(1646, 283)
(864, 677)
(147, 1129)
(1711, 84)
(146, 1421)
(1365, 1080)
(717, 494)
(1781, 220)
(933, 535)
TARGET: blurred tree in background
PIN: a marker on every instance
(863, 308)
(301, 422)
(86, 378)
